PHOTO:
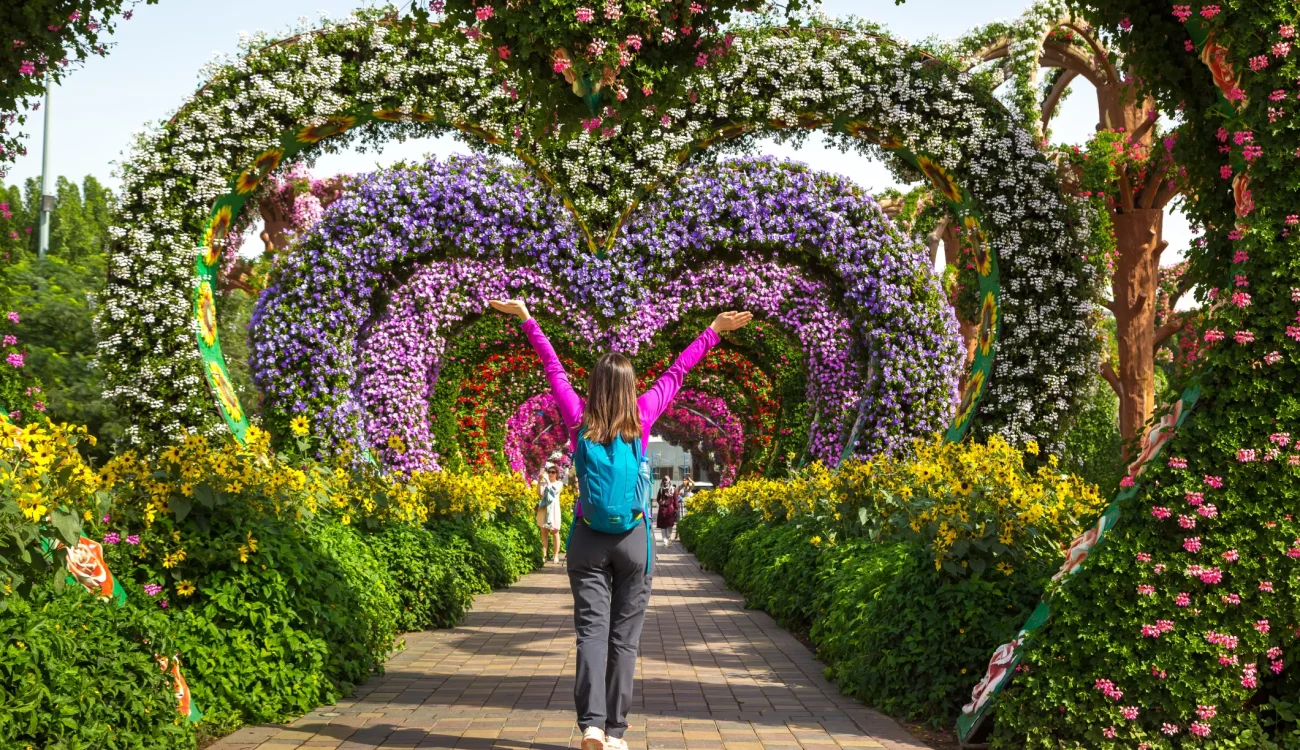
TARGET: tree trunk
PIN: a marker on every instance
(1137, 237)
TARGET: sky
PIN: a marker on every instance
(159, 53)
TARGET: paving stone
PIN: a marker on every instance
(711, 676)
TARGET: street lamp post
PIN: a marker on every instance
(47, 200)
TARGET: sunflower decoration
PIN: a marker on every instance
(974, 387)
(207, 314)
(225, 392)
(479, 131)
(215, 237)
(979, 245)
(422, 117)
(988, 323)
(390, 115)
(263, 165)
(331, 127)
(939, 177)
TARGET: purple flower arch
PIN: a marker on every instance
(318, 346)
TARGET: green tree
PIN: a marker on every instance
(54, 298)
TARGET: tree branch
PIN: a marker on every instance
(1098, 52)
(1157, 250)
(1108, 373)
(1155, 179)
(1054, 96)
(1125, 192)
(1171, 326)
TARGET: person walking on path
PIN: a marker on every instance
(684, 492)
(667, 514)
(548, 510)
(609, 561)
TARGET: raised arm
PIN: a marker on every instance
(653, 402)
(566, 399)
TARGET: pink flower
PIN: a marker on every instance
(701, 60)
(1158, 569)
(1280, 438)
(1293, 553)
(1194, 498)
(1240, 257)
(1213, 335)
(1192, 544)
(10, 339)
(504, 52)
(1231, 555)
(1108, 733)
(1276, 666)
(1213, 481)
(1243, 136)
(561, 64)
(585, 15)
(1126, 481)
(1143, 557)
(1261, 626)
(1188, 45)
(1169, 729)
(1241, 299)
(1199, 729)
(665, 121)
(1177, 463)
(1274, 653)
(1281, 49)
(634, 44)
(1150, 631)
(1183, 599)
(1182, 13)
(1160, 512)
(1209, 511)
(152, 589)
(133, 539)
(1286, 31)
(1209, 11)
(1243, 337)
(1258, 62)
(696, 9)
(612, 10)
(1266, 586)
(14, 359)
(1232, 599)
(597, 47)
(1246, 455)
(163, 604)
(26, 68)
(1165, 625)
(1146, 590)
(1277, 95)
(1206, 712)
(112, 537)
(668, 36)
(1125, 24)
(1248, 677)
(1187, 522)
(75, 16)
(1129, 712)
(1211, 576)
(483, 12)
(1252, 152)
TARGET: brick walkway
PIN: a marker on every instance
(713, 676)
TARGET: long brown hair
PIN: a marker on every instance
(611, 401)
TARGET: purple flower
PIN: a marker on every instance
(112, 537)
(133, 539)
(152, 589)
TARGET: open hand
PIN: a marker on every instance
(730, 321)
(511, 307)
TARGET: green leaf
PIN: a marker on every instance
(68, 526)
(202, 493)
(181, 507)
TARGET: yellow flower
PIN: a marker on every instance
(87, 516)
(243, 553)
(1031, 447)
(816, 541)
(299, 425)
(395, 443)
(1006, 569)
(185, 588)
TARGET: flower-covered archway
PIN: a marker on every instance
(877, 341)
(373, 77)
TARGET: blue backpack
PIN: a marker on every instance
(614, 486)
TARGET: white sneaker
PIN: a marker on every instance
(593, 738)
(615, 743)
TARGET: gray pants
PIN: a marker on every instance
(607, 573)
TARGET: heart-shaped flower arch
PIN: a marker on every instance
(882, 304)
(372, 77)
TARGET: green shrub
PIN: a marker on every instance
(75, 673)
(896, 632)
(284, 617)
(432, 573)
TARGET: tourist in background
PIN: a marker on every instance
(684, 492)
(667, 516)
(548, 510)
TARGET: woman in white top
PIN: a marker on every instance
(548, 511)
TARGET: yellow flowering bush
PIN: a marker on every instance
(43, 482)
(973, 505)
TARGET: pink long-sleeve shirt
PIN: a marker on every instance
(651, 403)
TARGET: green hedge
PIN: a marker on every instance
(895, 632)
(74, 673)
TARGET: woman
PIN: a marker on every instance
(609, 573)
(548, 510)
(684, 493)
(667, 515)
